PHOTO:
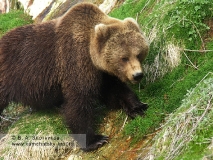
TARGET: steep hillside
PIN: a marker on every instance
(177, 87)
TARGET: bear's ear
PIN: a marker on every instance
(131, 24)
(102, 32)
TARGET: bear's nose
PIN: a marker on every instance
(137, 76)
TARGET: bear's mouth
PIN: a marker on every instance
(134, 81)
(131, 81)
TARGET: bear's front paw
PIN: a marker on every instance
(97, 142)
(137, 110)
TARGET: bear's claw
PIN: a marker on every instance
(98, 141)
(138, 110)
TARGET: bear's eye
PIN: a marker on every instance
(139, 56)
(125, 59)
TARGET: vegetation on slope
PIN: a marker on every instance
(187, 133)
(177, 62)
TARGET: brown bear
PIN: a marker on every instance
(76, 61)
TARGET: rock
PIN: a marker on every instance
(36, 7)
(107, 5)
(4, 6)
(42, 10)
(56, 9)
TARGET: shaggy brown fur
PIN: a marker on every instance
(75, 61)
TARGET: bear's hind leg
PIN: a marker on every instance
(79, 118)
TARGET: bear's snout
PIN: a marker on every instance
(137, 76)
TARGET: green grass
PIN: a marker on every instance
(188, 131)
(13, 19)
(197, 148)
(45, 121)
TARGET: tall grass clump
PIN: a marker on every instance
(188, 130)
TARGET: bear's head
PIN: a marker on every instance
(118, 48)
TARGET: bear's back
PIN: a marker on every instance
(27, 61)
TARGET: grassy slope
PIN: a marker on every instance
(188, 131)
(165, 94)
(183, 24)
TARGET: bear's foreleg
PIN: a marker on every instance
(131, 103)
(117, 94)
(79, 114)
